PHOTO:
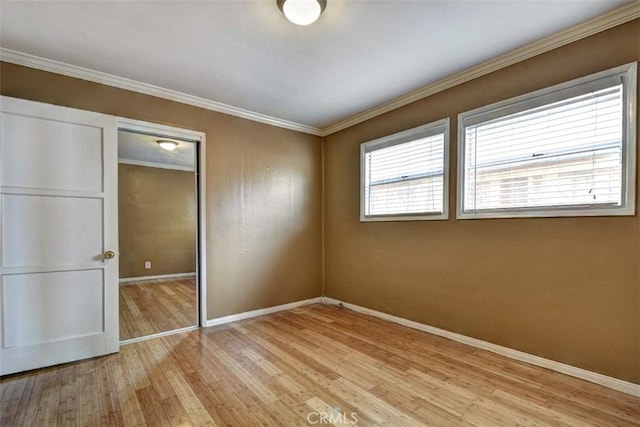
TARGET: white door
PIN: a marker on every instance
(58, 235)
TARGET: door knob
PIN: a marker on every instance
(109, 255)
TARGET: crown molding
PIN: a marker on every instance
(596, 25)
(601, 23)
(44, 64)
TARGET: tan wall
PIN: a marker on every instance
(156, 221)
(263, 190)
(562, 288)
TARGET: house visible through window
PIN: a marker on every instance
(563, 151)
(404, 176)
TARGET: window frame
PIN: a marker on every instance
(441, 126)
(628, 76)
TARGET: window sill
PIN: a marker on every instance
(396, 218)
(550, 213)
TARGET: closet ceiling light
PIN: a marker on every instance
(302, 12)
(167, 144)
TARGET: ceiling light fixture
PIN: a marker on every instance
(167, 144)
(302, 12)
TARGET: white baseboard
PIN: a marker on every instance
(606, 381)
(158, 277)
(261, 312)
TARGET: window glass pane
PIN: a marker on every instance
(404, 178)
(567, 153)
(404, 197)
(408, 159)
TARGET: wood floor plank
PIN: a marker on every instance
(11, 395)
(593, 397)
(28, 405)
(286, 368)
(137, 371)
(175, 412)
(67, 413)
(108, 399)
(214, 402)
(155, 365)
(48, 407)
(193, 407)
(534, 410)
(129, 403)
(153, 306)
(88, 401)
(367, 403)
(245, 377)
(152, 408)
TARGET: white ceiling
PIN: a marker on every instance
(245, 54)
(137, 148)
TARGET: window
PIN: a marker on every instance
(568, 150)
(404, 176)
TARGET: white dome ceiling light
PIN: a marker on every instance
(302, 12)
(167, 144)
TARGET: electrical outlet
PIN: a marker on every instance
(147, 264)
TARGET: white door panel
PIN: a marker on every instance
(38, 153)
(44, 232)
(49, 297)
(58, 217)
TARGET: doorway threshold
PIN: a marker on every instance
(159, 335)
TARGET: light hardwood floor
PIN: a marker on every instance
(156, 306)
(286, 369)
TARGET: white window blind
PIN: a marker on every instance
(403, 175)
(564, 150)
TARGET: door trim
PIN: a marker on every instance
(140, 126)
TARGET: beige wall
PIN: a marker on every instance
(156, 221)
(263, 190)
(562, 288)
